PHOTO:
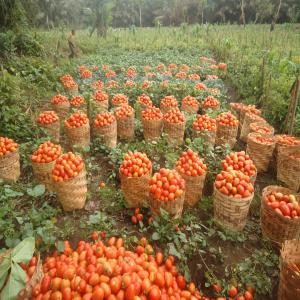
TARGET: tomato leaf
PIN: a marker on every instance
(4, 267)
(16, 282)
(24, 251)
(37, 191)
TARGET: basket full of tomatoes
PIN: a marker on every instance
(61, 105)
(125, 122)
(280, 214)
(288, 169)
(49, 121)
(100, 101)
(174, 126)
(248, 119)
(69, 181)
(105, 128)
(193, 171)
(289, 280)
(233, 193)
(210, 102)
(152, 121)
(43, 161)
(144, 102)
(227, 129)
(205, 127)
(135, 173)
(248, 109)
(168, 103)
(9, 159)
(78, 130)
(190, 104)
(263, 128)
(260, 149)
(167, 192)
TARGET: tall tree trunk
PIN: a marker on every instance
(140, 14)
(202, 15)
(256, 17)
(275, 17)
(243, 13)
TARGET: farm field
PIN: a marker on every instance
(216, 65)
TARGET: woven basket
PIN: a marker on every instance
(10, 166)
(174, 208)
(209, 136)
(273, 225)
(261, 154)
(289, 280)
(79, 136)
(53, 130)
(236, 107)
(252, 129)
(61, 109)
(42, 172)
(288, 171)
(226, 135)
(72, 193)
(25, 294)
(189, 109)
(175, 132)
(126, 128)
(231, 212)
(152, 129)
(107, 134)
(249, 118)
(243, 113)
(136, 189)
(100, 106)
(193, 188)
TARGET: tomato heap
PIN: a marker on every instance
(146, 84)
(172, 66)
(236, 105)
(174, 116)
(227, 119)
(119, 99)
(169, 101)
(112, 84)
(210, 101)
(98, 84)
(234, 183)
(190, 101)
(204, 122)
(211, 77)
(29, 268)
(86, 73)
(110, 73)
(46, 153)
(263, 140)
(59, 99)
(109, 271)
(77, 101)
(167, 185)
(152, 113)
(250, 109)
(131, 72)
(7, 146)
(184, 68)
(68, 81)
(67, 167)
(284, 204)
(181, 75)
(100, 96)
(259, 128)
(285, 139)
(144, 100)
(160, 67)
(135, 164)
(129, 83)
(190, 164)
(76, 120)
(103, 119)
(200, 86)
(239, 161)
(194, 77)
(124, 112)
(47, 117)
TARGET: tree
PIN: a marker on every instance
(262, 10)
(276, 15)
